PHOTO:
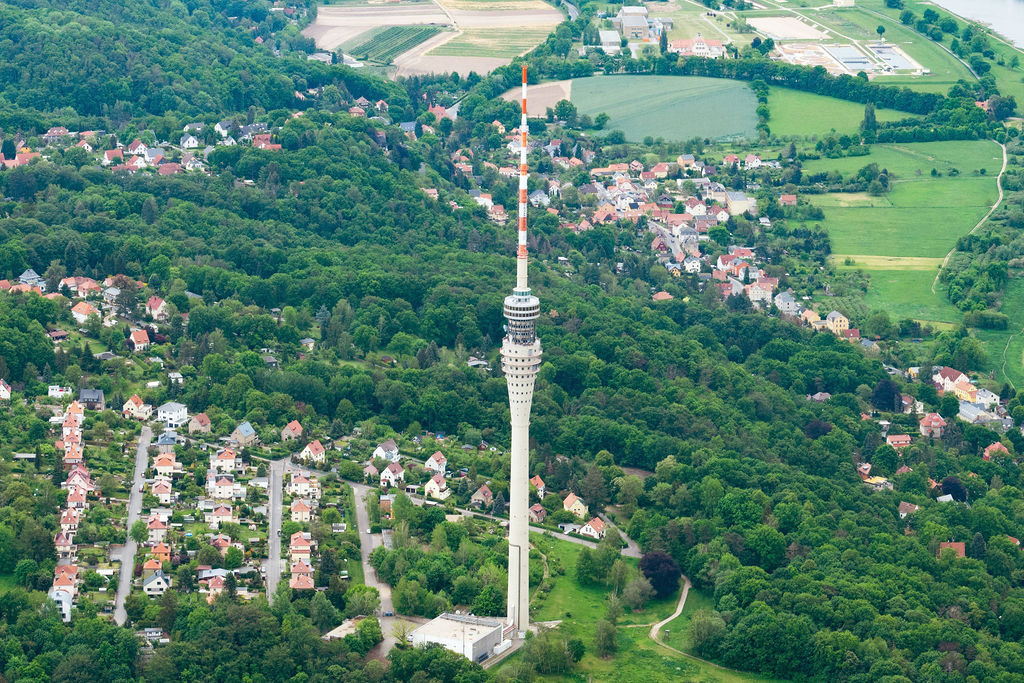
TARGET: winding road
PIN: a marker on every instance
(127, 555)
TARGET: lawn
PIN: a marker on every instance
(669, 107)
(492, 42)
(916, 223)
(794, 112)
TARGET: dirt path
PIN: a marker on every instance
(656, 629)
(999, 200)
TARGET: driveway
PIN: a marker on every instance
(127, 557)
(273, 563)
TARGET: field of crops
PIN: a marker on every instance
(493, 42)
(669, 107)
(392, 41)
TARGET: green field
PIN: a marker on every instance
(669, 107)
(639, 659)
(385, 45)
(492, 42)
(917, 222)
(804, 114)
(1005, 348)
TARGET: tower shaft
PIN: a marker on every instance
(520, 361)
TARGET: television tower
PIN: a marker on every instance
(520, 361)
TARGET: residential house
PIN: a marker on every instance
(157, 530)
(387, 450)
(314, 452)
(965, 391)
(697, 47)
(436, 463)
(165, 464)
(437, 488)
(225, 461)
(301, 567)
(946, 378)
(219, 515)
(156, 308)
(392, 475)
(92, 399)
(996, 448)
(898, 440)
(301, 511)
(482, 497)
(199, 424)
(161, 488)
(292, 430)
(138, 341)
(5, 391)
(957, 547)
(537, 513)
(538, 484)
(156, 584)
(987, 398)
(932, 425)
(244, 435)
(301, 582)
(787, 303)
(906, 508)
(82, 311)
(594, 528)
(837, 323)
(576, 506)
(221, 486)
(370, 472)
(172, 414)
(300, 546)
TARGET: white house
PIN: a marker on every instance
(314, 451)
(393, 474)
(300, 510)
(5, 391)
(436, 463)
(172, 414)
(594, 528)
(156, 584)
(387, 450)
(787, 303)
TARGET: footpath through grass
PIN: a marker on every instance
(638, 659)
(915, 225)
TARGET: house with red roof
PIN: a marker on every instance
(292, 430)
(138, 341)
(996, 448)
(595, 528)
(156, 308)
(314, 452)
(932, 425)
(956, 546)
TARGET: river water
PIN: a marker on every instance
(1005, 17)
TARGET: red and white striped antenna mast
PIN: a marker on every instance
(524, 173)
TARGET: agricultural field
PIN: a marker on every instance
(804, 114)
(392, 41)
(669, 107)
(900, 239)
(342, 24)
(493, 42)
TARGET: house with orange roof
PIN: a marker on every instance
(82, 310)
(163, 491)
(301, 582)
(932, 425)
(199, 423)
(301, 512)
(136, 409)
(166, 465)
(996, 448)
(157, 530)
(138, 341)
(162, 552)
(538, 484)
(594, 528)
(437, 488)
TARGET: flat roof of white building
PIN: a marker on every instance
(451, 627)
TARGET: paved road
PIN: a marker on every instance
(124, 583)
(273, 563)
(367, 543)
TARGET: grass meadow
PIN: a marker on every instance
(669, 107)
(804, 114)
(901, 238)
(579, 608)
